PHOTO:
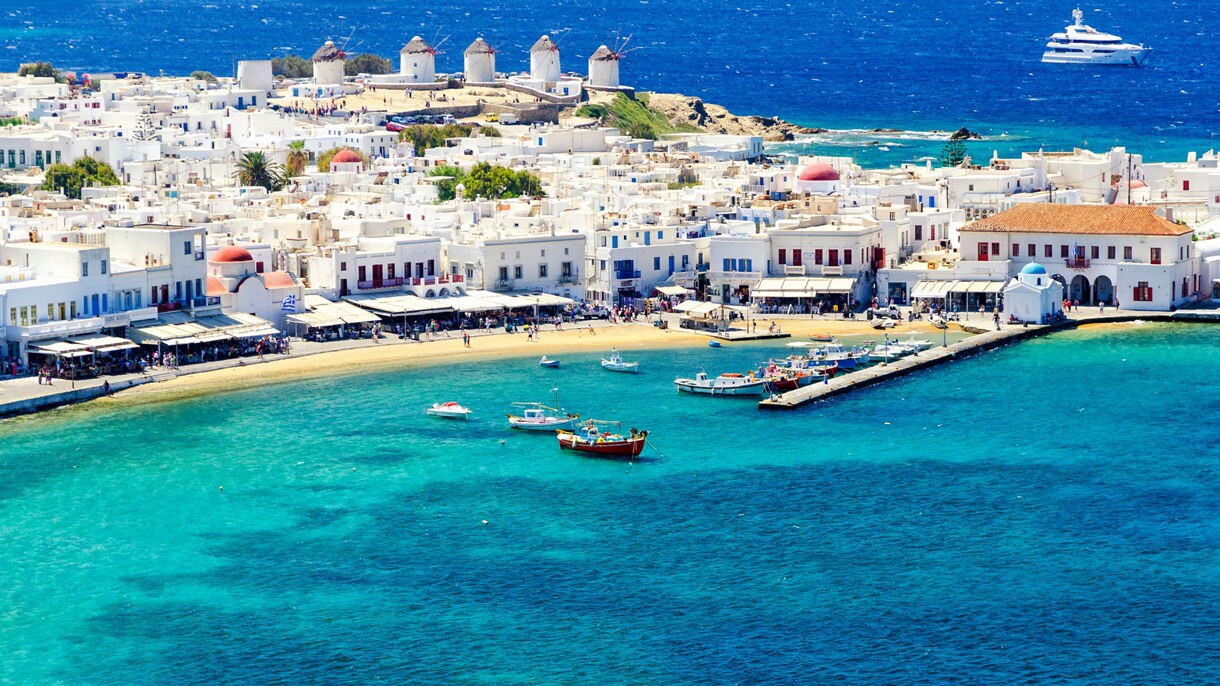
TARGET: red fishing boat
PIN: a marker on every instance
(588, 438)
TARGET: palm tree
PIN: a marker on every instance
(296, 159)
(253, 169)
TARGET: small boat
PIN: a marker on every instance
(725, 384)
(549, 364)
(589, 439)
(882, 324)
(450, 410)
(780, 381)
(822, 338)
(539, 417)
(938, 321)
(916, 344)
(615, 363)
(713, 343)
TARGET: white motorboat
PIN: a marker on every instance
(450, 410)
(891, 351)
(539, 417)
(915, 344)
(616, 363)
(1079, 43)
(725, 384)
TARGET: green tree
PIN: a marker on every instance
(425, 136)
(292, 67)
(953, 153)
(85, 171)
(39, 69)
(367, 63)
(446, 188)
(484, 180)
(254, 169)
(203, 76)
(325, 156)
(295, 164)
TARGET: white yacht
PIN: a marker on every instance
(1083, 44)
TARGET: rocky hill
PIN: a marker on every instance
(685, 110)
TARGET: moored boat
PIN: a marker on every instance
(725, 384)
(548, 363)
(616, 363)
(713, 343)
(450, 410)
(539, 417)
(589, 439)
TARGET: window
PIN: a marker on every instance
(1156, 255)
(343, 267)
(797, 256)
(1186, 184)
(1142, 292)
(982, 252)
(1016, 249)
(995, 249)
(783, 256)
(1095, 252)
(104, 266)
(1063, 251)
(846, 257)
(817, 256)
(656, 263)
(84, 269)
(542, 271)
(389, 268)
(685, 262)
(1048, 251)
(504, 274)
(726, 265)
(660, 235)
(432, 268)
(919, 232)
(1110, 252)
(1126, 252)
(517, 271)
(542, 253)
(186, 247)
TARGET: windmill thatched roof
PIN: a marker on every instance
(480, 47)
(328, 53)
(603, 54)
(416, 46)
(544, 44)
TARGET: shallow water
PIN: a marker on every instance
(1045, 512)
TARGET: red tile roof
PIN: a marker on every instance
(1137, 220)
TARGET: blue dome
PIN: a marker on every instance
(1033, 268)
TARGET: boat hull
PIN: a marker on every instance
(534, 425)
(624, 449)
(628, 367)
(549, 364)
(1119, 58)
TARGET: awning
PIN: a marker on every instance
(940, 289)
(398, 305)
(62, 349)
(674, 291)
(802, 287)
(932, 289)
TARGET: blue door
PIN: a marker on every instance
(671, 264)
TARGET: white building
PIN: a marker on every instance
(255, 75)
(1102, 254)
(480, 62)
(1033, 296)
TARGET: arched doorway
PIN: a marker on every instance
(1062, 282)
(1079, 290)
(1103, 290)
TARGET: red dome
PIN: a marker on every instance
(819, 171)
(1138, 184)
(232, 253)
(278, 280)
(345, 156)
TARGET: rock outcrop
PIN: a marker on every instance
(682, 109)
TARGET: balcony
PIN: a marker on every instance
(1077, 262)
(568, 278)
(627, 274)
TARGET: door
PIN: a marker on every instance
(982, 253)
(796, 257)
(834, 258)
(377, 274)
(671, 264)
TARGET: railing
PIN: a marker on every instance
(627, 274)
(1077, 262)
(504, 285)
(794, 270)
(379, 283)
(169, 307)
(568, 278)
(703, 266)
(62, 328)
(434, 280)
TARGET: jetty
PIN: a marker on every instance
(982, 341)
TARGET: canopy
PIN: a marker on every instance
(63, 349)
(104, 344)
(209, 329)
(940, 289)
(802, 287)
(705, 310)
(398, 305)
(675, 291)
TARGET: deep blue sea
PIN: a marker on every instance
(842, 64)
(1044, 513)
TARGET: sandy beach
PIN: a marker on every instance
(394, 354)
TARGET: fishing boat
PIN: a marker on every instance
(822, 338)
(725, 384)
(783, 380)
(548, 363)
(450, 410)
(589, 439)
(615, 363)
(539, 417)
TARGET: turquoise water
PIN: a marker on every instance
(1043, 513)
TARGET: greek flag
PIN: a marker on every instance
(289, 304)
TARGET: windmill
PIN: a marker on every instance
(544, 59)
(604, 63)
(417, 60)
(479, 62)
